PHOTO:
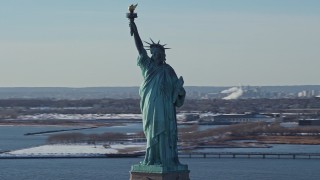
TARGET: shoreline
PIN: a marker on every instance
(84, 151)
(245, 141)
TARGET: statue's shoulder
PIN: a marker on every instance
(168, 66)
(143, 55)
(143, 59)
(170, 69)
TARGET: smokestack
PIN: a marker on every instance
(235, 94)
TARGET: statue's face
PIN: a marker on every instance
(158, 55)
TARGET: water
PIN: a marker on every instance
(126, 128)
(201, 169)
(11, 137)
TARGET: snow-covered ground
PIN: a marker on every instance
(56, 116)
(76, 150)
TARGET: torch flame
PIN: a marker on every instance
(132, 7)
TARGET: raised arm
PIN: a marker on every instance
(137, 39)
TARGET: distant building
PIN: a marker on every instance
(309, 122)
(225, 119)
(187, 117)
(307, 93)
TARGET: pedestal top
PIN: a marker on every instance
(158, 168)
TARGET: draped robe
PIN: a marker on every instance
(161, 91)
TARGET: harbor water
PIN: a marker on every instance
(12, 137)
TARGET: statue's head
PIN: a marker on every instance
(158, 51)
(158, 55)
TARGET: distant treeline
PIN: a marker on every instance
(104, 106)
(193, 92)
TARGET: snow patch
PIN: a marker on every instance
(73, 149)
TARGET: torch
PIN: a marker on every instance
(131, 15)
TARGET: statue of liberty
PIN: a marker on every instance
(161, 92)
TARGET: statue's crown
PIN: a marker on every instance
(155, 45)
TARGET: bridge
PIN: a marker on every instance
(262, 155)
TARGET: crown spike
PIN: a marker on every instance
(147, 42)
(155, 45)
(152, 41)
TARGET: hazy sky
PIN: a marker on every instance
(81, 43)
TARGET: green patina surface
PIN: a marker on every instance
(161, 92)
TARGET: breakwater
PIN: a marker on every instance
(61, 130)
